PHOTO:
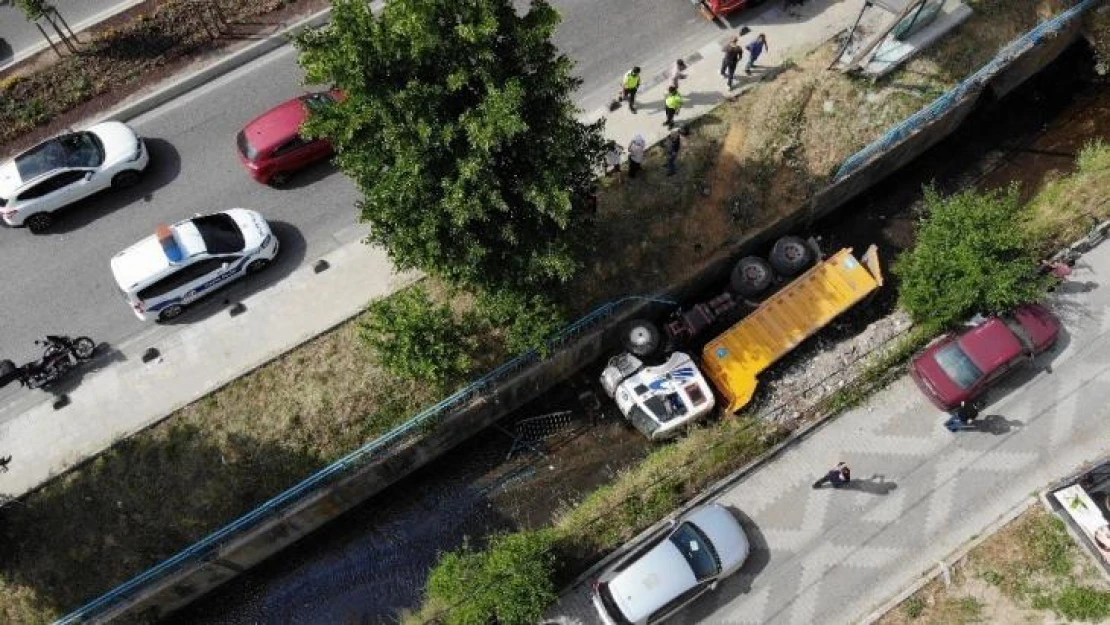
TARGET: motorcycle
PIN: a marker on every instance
(60, 354)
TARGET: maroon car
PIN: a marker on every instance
(959, 368)
(271, 146)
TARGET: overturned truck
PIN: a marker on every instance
(660, 388)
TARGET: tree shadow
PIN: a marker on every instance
(164, 168)
(96, 527)
(289, 258)
(138, 44)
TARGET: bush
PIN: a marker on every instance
(974, 254)
(509, 582)
(417, 339)
(530, 320)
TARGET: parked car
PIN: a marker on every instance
(682, 561)
(960, 368)
(60, 171)
(271, 146)
(182, 263)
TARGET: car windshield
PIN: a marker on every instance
(79, 149)
(1020, 332)
(956, 364)
(317, 101)
(695, 547)
(220, 234)
(245, 147)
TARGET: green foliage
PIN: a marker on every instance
(531, 320)
(1082, 603)
(33, 9)
(508, 583)
(913, 607)
(461, 134)
(416, 339)
(974, 254)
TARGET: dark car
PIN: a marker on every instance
(271, 146)
(959, 368)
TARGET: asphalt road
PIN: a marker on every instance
(17, 35)
(60, 282)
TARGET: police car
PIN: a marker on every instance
(182, 263)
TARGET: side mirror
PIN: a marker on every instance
(713, 585)
(224, 266)
(89, 176)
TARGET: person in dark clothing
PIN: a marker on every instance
(4, 462)
(961, 417)
(733, 52)
(674, 144)
(838, 476)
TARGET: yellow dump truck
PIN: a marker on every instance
(734, 360)
(660, 392)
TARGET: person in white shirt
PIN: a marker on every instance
(636, 151)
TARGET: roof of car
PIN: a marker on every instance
(276, 126)
(651, 581)
(148, 259)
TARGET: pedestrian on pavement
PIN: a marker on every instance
(961, 417)
(636, 151)
(4, 462)
(755, 49)
(839, 476)
(613, 153)
(733, 52)
(629, 84)
(671, 104)
(678, 71)
(674, 144)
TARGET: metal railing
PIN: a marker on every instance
(971, 85)
(210, 545)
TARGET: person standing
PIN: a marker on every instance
(671, 104)
(678, 71)
(733, 52)
(637, 148)
(613, 155)
(629, 85)
(755, 49)
(961, 417)
(674, 144)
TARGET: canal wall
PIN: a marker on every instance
(353, 479)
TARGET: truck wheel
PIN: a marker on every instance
(751, 276)
(641, 338)
(791, 256)
(8, 372)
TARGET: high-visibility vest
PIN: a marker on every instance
(674, 101)
(631, 80)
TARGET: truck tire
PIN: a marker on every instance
(8, 372)
(641, 338)
(791, 256)
(751, 276)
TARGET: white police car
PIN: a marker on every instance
(182, 263)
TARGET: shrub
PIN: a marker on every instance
(974, 254)
(530, 320)
(417, 339)
(510, 582)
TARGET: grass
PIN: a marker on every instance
(1029, 571)
(1067, 206)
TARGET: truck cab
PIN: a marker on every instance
(658, 400)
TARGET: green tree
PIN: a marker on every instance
(417, 339)
(530, 320)
(974, 254)
(509, 583)
(459, 130)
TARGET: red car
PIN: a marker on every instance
(959, 368)
(271, 146)
(722, 8)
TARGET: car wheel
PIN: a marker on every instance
(84, 347)
(8, 372)
(39, 222)
(751, 276)
(279, 179)
(641, 338)
(257, 265)
(170, 312)
(791, 256)
(125, 179)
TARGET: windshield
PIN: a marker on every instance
(220, 234)
(695, 547)
(958, 366)
(79, 149)
(245, 147)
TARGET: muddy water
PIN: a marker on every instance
(372, 563)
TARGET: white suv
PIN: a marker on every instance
(182, 263)
(67, 168)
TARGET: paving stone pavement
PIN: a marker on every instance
(919, 492)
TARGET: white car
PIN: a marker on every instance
(182, 263)
(686, 558)
(68, 168)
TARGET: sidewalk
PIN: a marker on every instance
(124, 395)
(919, 492)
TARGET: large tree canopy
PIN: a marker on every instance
(460, 132)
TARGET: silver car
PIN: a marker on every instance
(672, 568)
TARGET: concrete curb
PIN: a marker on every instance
(150, 101)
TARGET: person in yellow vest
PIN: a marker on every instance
(629, 84)
(671, 105)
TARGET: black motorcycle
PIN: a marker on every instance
(60, 354)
